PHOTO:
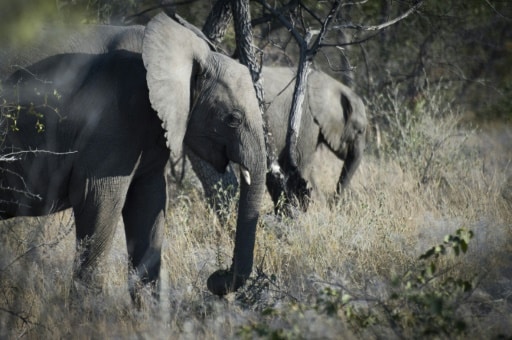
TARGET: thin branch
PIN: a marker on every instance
(284, 21)
(157, 7)
(383, 25)
(496, 11)
(325, 25)
(50, 244)
(310, 12)
(24, 319)
(353, 42)
(14, 156)
(425, 178)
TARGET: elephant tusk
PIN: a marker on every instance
(245, 174)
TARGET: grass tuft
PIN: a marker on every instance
(374, 263)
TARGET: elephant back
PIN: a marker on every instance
(278, 85)
(53, 40)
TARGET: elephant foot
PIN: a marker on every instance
(222, 282)
(81, 290)
(142, 291)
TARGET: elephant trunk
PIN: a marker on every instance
(351, 162)
(222, 282)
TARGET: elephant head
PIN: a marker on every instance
(208, 101)
(333, 115)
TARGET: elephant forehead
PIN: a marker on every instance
(228, 72)
(237, 77)
(237, 89)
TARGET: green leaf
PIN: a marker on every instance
(440, 249)
(466, 286)
(269, 311)
(431, 270)
(428, 254)
(463, 246)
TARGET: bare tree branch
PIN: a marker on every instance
(245, 48)
(14, 156)
(383, 25)
(218, 21)
(496, 11)
(296, 185)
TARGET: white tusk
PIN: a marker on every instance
(245, 174)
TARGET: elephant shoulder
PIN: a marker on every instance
(127, 38)
(278, 82)
(96, 39)
(130, 87)
(61, 72)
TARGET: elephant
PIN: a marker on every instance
(92, 120)
(333, 118)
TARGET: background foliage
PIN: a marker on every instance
(463, 44)
(438, 87)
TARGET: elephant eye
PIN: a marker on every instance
(234, 119)
(202, 74)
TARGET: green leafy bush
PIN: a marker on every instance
(423, 302)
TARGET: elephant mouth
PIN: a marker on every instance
(245, 174)
(219, 157)
(221, 165)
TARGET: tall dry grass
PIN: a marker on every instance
(328, 273)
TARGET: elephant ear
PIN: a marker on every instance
(329, 107)
(172, 54)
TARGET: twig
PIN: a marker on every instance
(14, 156)
(383, 25)
(424, 178)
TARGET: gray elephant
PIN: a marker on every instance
(93, 127)
(334, 116)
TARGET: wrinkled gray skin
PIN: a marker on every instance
(333, 116)
(128, 99)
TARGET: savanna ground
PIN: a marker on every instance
(346, 270)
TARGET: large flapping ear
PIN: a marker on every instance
(169, 52)
(328, 108)
(194, 29)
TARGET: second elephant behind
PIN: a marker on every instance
(333, 118)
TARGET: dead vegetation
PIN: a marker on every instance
(341, 270)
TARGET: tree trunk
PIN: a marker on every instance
(276, 180)
(215, 28)
(296, 186)
(218, 21)
(245, 49)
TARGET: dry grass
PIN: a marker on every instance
(359, 245)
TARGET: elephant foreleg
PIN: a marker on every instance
(97, 211)
(144, 220)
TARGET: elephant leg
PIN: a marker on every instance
(144, 218)
(97, 211)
